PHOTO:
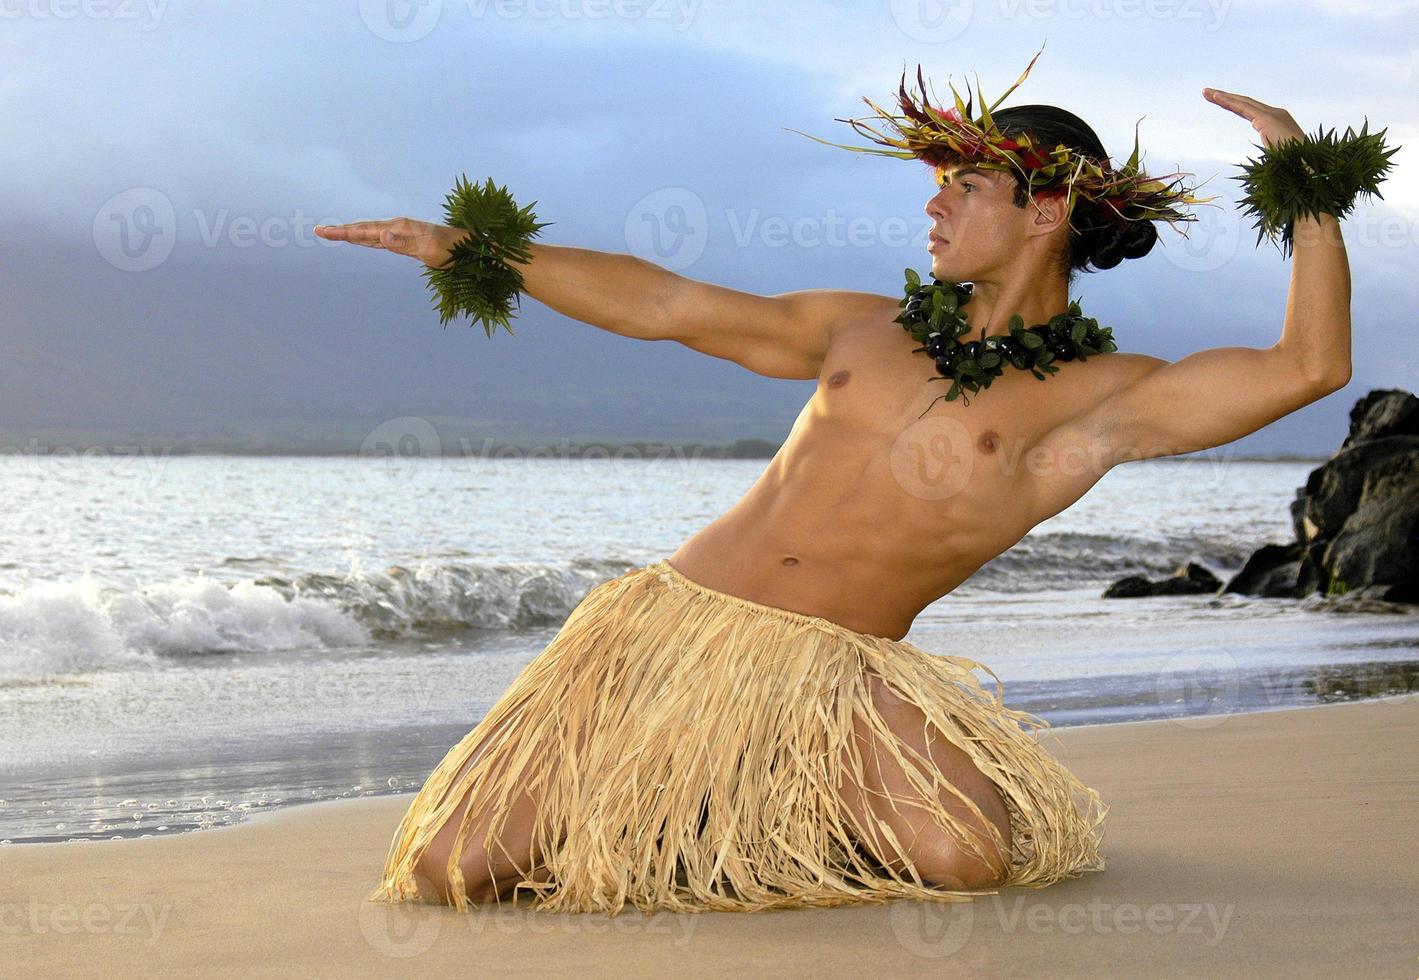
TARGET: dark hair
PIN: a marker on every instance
(1097, 236)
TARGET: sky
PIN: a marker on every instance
(164, 163)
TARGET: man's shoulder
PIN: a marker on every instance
(848, 307)
(1092, 391)
(1122, 368)
(1085, 395)
(848, 312)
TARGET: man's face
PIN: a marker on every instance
(974, 212)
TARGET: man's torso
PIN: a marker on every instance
(868, 513)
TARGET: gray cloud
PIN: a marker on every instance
(252, 127)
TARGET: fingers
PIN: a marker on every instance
(356, 233)
(394, 234)
(1243, 106)
(1228, 101)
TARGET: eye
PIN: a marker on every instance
(967, 183)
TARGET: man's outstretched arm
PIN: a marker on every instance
(782, 336)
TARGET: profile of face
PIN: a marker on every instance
(981, 230)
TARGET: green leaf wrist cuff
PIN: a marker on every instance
(478, 281)
(1300, 178)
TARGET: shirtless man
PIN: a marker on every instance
(875, 506)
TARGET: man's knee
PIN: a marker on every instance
(955, 867)
(431, 874)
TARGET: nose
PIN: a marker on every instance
(935, 205)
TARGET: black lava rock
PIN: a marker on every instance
(1356, 520)
(1190, 579)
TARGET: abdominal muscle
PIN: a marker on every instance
(853, 563)
(858, 525)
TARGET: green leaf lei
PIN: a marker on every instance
(1300, 178)
(932, 315)
(477, 280)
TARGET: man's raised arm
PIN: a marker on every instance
(1216, 396)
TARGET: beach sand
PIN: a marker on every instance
(1279, 843)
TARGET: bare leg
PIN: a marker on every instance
(492, 873)
(939, 858)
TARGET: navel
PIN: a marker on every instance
(790, 560)
(989, 440)
(839, 378)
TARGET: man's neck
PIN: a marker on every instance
(992, 304)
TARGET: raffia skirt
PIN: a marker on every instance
(686, 746)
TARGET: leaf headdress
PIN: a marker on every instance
(939, 137)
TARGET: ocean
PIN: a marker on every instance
(188, 640)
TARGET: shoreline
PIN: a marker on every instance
(747, 448)
(220, 800)
(1185, 721)
(1211, 845)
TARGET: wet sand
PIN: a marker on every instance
(1276, 843)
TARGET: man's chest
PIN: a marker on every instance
(875, 385)
(878, 408)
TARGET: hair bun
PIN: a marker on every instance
(1122, 240)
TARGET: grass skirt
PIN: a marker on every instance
(685, 747)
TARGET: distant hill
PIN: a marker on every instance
(315, 352)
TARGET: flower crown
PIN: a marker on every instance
(954, 135)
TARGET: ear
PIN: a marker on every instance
(1048, 210)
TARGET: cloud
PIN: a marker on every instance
(287, 113)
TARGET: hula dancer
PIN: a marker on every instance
(740, 725)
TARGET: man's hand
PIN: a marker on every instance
(1274, 125)
(429, 243)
